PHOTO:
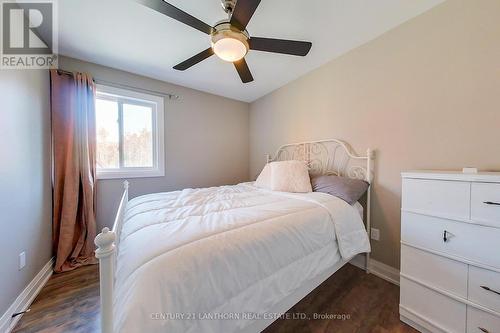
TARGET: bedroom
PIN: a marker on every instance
(401, 97)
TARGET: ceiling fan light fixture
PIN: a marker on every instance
(230, 45)
(229, 49)
(229, 37)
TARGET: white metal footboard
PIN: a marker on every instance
(107, 243)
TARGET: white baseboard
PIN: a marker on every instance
(377, 268)
(24, 300)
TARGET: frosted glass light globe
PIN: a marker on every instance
(229, 49)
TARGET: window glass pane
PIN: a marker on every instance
(108, 149)
(137, 135)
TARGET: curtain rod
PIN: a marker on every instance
(119, 85)
(153, 92)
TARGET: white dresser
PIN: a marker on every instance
(450, 252)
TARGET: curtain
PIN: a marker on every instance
(74, 169)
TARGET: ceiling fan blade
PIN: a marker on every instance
(243, 70)
(194, 59)
(177, 14)
(284, 46)
(243, 12)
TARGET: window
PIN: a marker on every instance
(129, 130)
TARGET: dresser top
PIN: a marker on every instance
(493, 177)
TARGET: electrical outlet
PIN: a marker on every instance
(375, 234)
(22, 260)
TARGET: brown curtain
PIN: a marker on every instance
(74, 169)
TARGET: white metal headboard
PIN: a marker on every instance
(328, 157)
(332, 157)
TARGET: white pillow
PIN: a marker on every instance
(264, 179)
(290, 176)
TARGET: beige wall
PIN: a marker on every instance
(25, 188)
(424, 95)
(206, 140)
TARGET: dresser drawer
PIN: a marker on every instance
(433, 270)
(481, 322)
(446, 313)
(485, 203)
(437, 197)
(468, 241)
(484, 288)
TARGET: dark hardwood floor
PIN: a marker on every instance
(69, 302)
(349, 301)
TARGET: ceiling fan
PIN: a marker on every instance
(230, 39)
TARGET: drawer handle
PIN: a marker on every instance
(483, 330)
(445, 236)
(492, 203)
(491, 290)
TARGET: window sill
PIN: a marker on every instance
(124, 174)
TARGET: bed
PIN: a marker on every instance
(228, 258)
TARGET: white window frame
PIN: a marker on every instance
(158, 169)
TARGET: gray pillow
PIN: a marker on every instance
(347, 189)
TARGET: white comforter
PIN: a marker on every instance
(202, 260)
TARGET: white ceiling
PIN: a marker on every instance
(125, 35)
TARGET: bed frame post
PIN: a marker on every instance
(105, 252)
(368, 203)
(107, 242)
